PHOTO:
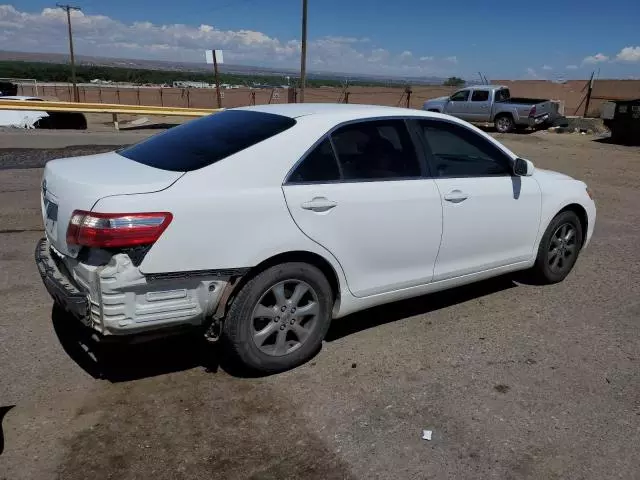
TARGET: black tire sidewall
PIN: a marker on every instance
(237, 330)
(542, 267)
(511, 127)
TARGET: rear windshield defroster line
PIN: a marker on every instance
(202, 142)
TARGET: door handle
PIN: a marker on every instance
(456, 196)
(319, 204)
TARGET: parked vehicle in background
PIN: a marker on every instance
(494, 104)
(39, 119)
(622, 118)
(262, 224)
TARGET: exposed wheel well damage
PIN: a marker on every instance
(296, 256)
(582, 216)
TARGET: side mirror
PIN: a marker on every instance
(523, 168)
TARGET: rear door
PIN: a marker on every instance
(458, 105)
(490, 217)
(479, 106)
(362, 194)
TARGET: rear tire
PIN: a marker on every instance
(264, 329)
(559, 248)
(504, 123)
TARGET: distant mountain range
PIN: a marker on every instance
(200, 67)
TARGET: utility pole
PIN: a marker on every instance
(217, 79)
(303, 57)
(68, 8)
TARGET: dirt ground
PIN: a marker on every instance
(516, 381)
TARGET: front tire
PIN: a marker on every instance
(559, 248)
(279, 318)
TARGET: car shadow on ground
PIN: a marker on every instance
(393, 312)
(150, 126)
(127, 362)
(517, 131)
(627, 142)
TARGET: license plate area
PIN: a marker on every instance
(50, 208)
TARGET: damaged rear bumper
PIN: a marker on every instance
(118, 299)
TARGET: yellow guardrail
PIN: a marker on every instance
(114, 109)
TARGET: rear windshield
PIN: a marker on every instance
(207, 140)
(503, 95)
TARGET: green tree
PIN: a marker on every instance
(454, 82)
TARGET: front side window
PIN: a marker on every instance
(375, 150)
(461, 96)
(456, 151)
(480, 96)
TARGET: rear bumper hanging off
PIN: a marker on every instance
(117, 299)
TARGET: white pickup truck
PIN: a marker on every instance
(494, 104)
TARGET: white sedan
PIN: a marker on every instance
(260, 225)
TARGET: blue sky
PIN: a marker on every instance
(539, 39)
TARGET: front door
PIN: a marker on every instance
(362, 195)
(458, 104)
(490, 217)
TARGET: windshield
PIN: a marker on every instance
(502, 95)
(202, 142)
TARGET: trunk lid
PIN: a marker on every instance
(77, 183)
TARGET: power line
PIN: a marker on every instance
(68, 8)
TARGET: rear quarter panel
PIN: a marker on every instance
(231, 214)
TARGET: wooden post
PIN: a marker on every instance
(138, 94)
(100, 94)
(408, 91)
(346, 97)
(161, 99)
(589, 90)
(116, 125)
(217, 79)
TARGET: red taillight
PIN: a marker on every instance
(106, 230)
(532, 112)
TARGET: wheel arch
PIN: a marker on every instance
(304, 256)
(581, 212)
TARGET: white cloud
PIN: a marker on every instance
(571, 67)
(597, 58)
(99, 35)
(427, 59)
(531, 73)
(547, 67)
(629, 54)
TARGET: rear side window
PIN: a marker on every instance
(207, 140)
(376, 150)
(320, 165)
(480, 96)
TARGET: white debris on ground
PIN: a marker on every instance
(426, 434)
(20, 118)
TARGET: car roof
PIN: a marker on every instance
(485, 86)
(295, 110)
